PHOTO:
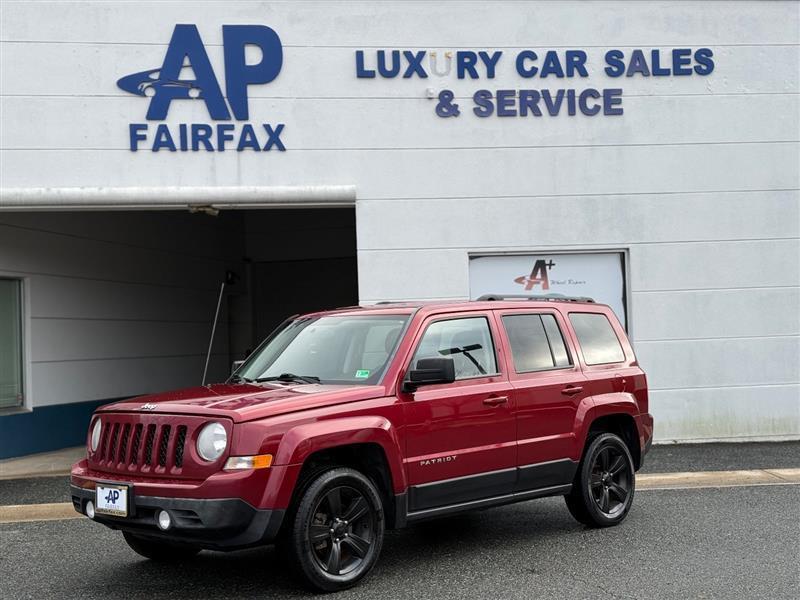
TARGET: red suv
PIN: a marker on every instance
(348, 422)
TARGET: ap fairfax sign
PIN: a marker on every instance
(164, 85)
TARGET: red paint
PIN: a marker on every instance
(443, 431)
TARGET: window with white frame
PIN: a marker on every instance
(10, 343)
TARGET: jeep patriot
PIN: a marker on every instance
(348, 422)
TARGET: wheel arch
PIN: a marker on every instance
(369, 445)
(621, 423)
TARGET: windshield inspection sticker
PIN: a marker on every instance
(362, 373)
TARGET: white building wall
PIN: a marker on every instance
(119, 304)
(698, 180)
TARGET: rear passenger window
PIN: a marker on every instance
(536, 342)
(597, 338)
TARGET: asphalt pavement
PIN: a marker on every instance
(738, 542)
(717, 542)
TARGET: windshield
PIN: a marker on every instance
(333, 349)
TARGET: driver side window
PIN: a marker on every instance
(467, 341)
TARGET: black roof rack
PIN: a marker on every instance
(539, 298)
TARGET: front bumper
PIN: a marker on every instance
(215, 524)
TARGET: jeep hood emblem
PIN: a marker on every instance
(148, 406)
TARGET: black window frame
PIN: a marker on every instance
(570, 358)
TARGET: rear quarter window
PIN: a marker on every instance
(597, 339)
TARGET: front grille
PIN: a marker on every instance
(132, 443)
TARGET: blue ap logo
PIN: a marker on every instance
(165, 85)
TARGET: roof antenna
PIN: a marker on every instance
(230, 277)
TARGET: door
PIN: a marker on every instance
(548, 388)
(461, 440)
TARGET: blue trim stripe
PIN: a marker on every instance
(46, 428)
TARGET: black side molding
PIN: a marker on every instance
(491, 486)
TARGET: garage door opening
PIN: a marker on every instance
(295, 261)
(121, 303)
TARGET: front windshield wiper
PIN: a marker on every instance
(289, 377)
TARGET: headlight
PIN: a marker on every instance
(212, 441)
(98, 426)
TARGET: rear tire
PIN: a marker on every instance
(602, 493)
(157, 550)
(337, 533)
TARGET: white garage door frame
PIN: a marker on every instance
(171, 198)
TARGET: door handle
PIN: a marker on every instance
(572, 390)
(495, 400)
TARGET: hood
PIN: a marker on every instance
(245, 402)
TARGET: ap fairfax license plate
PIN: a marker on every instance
(111, 500)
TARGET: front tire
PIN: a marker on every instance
(337, 533)
(602, 493)
(159, 551)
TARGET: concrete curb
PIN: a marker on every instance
(699, 479)
(35, 475)
(23, 513)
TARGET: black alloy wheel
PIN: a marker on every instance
(342, 530)
(602, 492)
(611, 480)
(337, 531)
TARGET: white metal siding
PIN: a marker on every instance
(120, 304)
(698, 179)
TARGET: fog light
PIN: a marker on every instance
(90, 509)
(163, 520)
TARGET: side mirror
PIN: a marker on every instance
(428, 371)
(235, 366)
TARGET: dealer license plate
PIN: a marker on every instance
(111, 500)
